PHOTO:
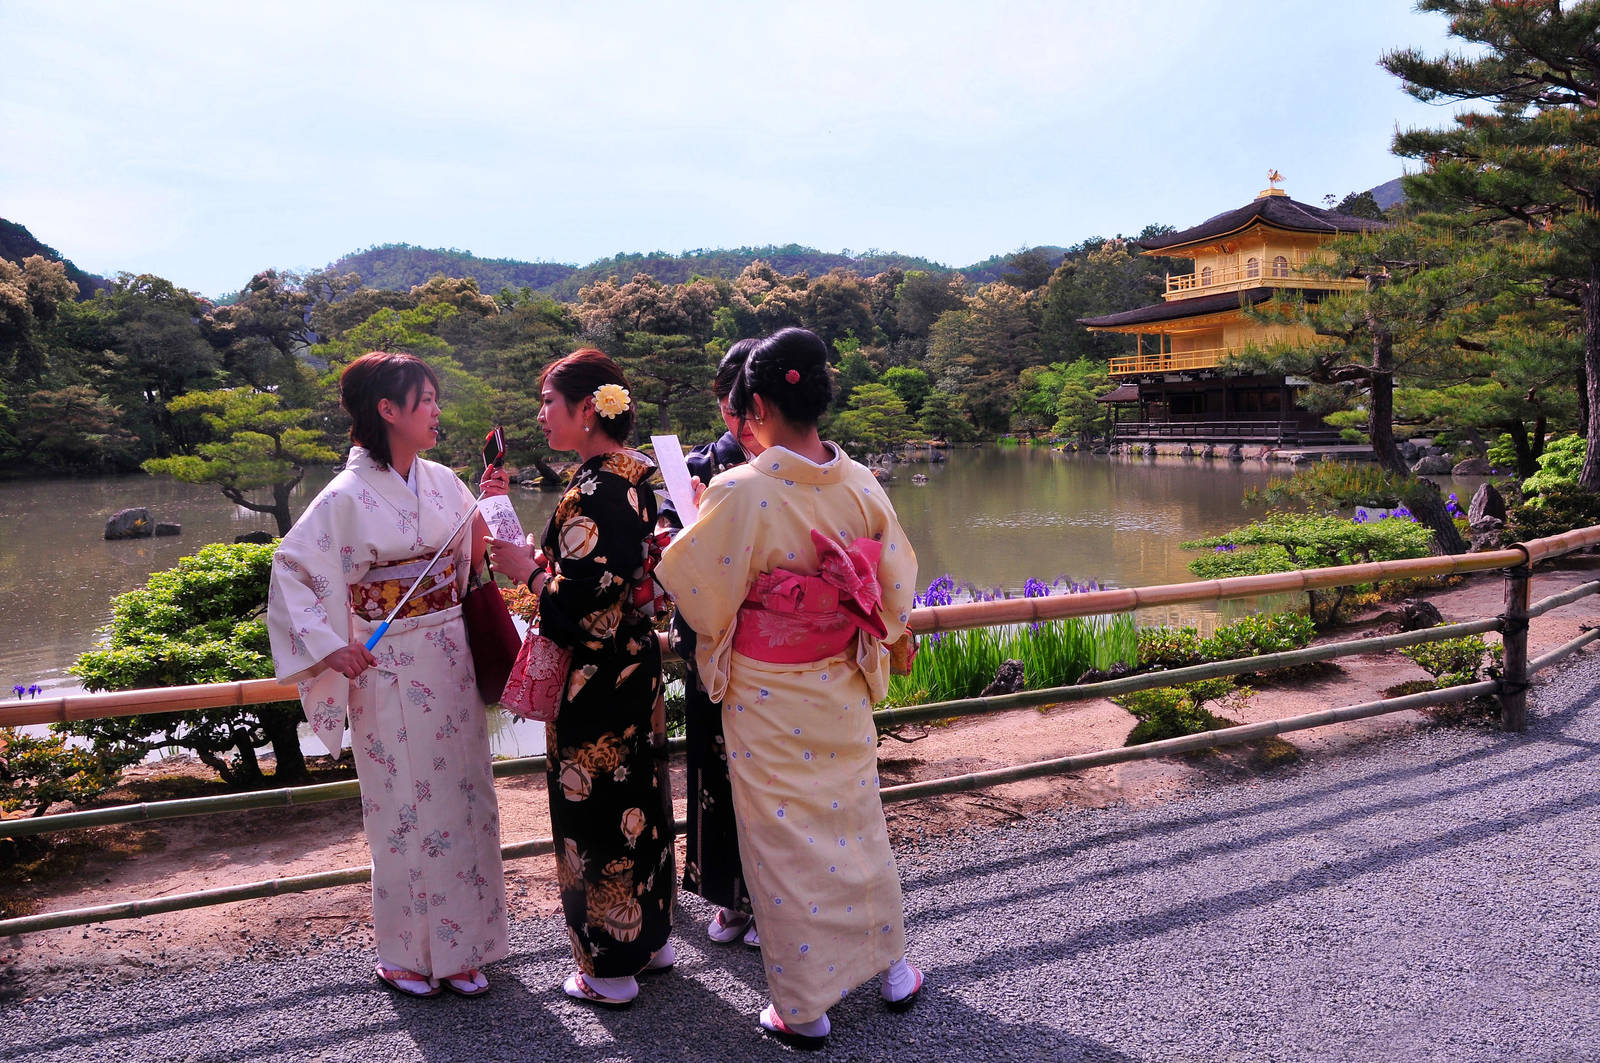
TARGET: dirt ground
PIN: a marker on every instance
(111, 864)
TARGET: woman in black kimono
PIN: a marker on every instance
(610, 811)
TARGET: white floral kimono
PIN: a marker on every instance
(418, 727)
(802, 748)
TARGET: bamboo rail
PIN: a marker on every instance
(893, 717)
(1227, 736)
(28, 924)
(1511, 689)
(926, 620)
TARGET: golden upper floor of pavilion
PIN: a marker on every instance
(1241, 257)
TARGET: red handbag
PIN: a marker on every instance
(538, 679)
(491, 636)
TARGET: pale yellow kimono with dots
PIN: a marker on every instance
(802, 750)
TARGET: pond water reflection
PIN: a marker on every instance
(989, 517)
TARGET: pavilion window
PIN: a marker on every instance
(1205, 277)
(1252, 267)
(1280, 267)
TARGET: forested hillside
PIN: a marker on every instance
(401, 267)
(17, 243)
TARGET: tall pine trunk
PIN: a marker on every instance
(1424, 501)
(1589, 478)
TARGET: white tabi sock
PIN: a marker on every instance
(899, 981)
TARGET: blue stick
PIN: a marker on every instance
(376, 635)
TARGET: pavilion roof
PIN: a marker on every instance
(1278, 211)
(1121, 393)
(1181, 308)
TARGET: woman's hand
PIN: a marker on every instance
(514, 560)
(351, 660)
(698, 490)
(495, 482)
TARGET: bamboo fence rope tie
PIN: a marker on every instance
(1563, 651)
(1567, 597)
(1149, 680)
(1185, 744)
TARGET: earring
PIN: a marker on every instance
(588, 428)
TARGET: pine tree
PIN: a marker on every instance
(1533, 160)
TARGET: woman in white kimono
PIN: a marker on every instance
(417, 724)
(793, 577)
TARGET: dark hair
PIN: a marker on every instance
(367, 381)
(579, 374)
(730, 367)
(790, 370)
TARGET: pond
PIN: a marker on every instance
(990, 517)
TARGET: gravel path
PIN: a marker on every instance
(1434, 897)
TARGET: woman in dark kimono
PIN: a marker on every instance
(711, 867)
(610, 811)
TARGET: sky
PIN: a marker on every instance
(207, 142)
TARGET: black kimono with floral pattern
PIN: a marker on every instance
(610, 806)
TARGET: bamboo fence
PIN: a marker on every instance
(1510, 688)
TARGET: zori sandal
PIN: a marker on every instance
(469, 983)
(407, 983)
(727, 925)
(773, 1024)
(578, 988)
(906, 1002)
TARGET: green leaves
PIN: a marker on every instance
(199, 622)
(1284, 542)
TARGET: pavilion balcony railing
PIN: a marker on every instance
(1242, 275)
(1509, 686)
(1171, 361)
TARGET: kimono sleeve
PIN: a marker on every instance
(708, 571)
(897, 579)
(308, 612)
(598, 535)
(897, 573)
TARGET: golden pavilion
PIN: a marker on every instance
(1176, 387)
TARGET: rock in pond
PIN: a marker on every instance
(133, 523)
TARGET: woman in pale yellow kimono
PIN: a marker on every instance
(417, 725)
(794, 576)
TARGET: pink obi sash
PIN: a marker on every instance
(792, 618)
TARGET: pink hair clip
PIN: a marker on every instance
(792, 376)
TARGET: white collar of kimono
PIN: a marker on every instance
(781, 463)
(437, 512)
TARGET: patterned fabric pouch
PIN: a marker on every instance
(538, 679)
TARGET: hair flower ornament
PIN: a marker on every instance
(792, 376)
(610, 399)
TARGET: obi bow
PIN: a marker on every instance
(853, 571)
(845, 586)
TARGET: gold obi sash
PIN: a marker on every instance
(383, 586)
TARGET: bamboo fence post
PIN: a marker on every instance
(1514, 637)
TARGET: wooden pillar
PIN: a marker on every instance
(1514, 638)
